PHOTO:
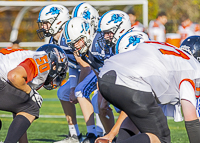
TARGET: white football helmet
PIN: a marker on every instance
(115, 21)
(88, 12)
(75, 29)
(55, 14)
(130, 40)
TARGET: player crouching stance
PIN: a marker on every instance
(136, 80)
(21, 74)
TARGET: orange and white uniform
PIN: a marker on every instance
(156, 29)
(189, 30)
(168, 72)
(35, 63)
(138, 26)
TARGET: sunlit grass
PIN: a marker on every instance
(53, 129)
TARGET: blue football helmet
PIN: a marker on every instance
(58, 65)
(191, 45)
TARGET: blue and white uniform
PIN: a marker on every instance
(84, 88)
(96, 57)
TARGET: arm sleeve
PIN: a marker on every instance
(187, 92)
(30, 67)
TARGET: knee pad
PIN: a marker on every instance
(141, 103)
(148, 116)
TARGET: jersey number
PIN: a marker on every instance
(43, 64)
(179, 54)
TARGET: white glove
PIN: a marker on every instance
(36, 97)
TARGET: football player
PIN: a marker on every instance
(22, 73)
(156, 29)
(187, 27)
(89, 13)
(81, 79)
(95, 49)
(135, 37)
(154, 72)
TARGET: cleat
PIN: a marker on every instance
(71, 139)
(90, 138)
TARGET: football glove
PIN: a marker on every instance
(36, 97)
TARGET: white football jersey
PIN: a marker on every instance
(157, 29)
(138, 26)
(190, 30)
(154, 67)
(12, 60)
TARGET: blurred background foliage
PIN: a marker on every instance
(173, 8)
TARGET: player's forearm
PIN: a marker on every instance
(114, 131)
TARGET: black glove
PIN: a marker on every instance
(36, 97)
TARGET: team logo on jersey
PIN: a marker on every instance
(116, 18)
(134, 40)
(53, 10)
(86, 14)
(85, 26)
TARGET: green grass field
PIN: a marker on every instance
(52, 125)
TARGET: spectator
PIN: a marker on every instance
(187, 27)
(157, 29)
(136, 24)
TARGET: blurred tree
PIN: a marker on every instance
(153, 9)
(174, 10)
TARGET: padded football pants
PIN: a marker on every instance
(140, 106)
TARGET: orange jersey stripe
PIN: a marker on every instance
(189, 80)
(197, 89)
(197, 27)
(136, 23)
(8, 50)
(30, 67)
(155, 24)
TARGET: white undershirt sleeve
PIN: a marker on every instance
(187, 92)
